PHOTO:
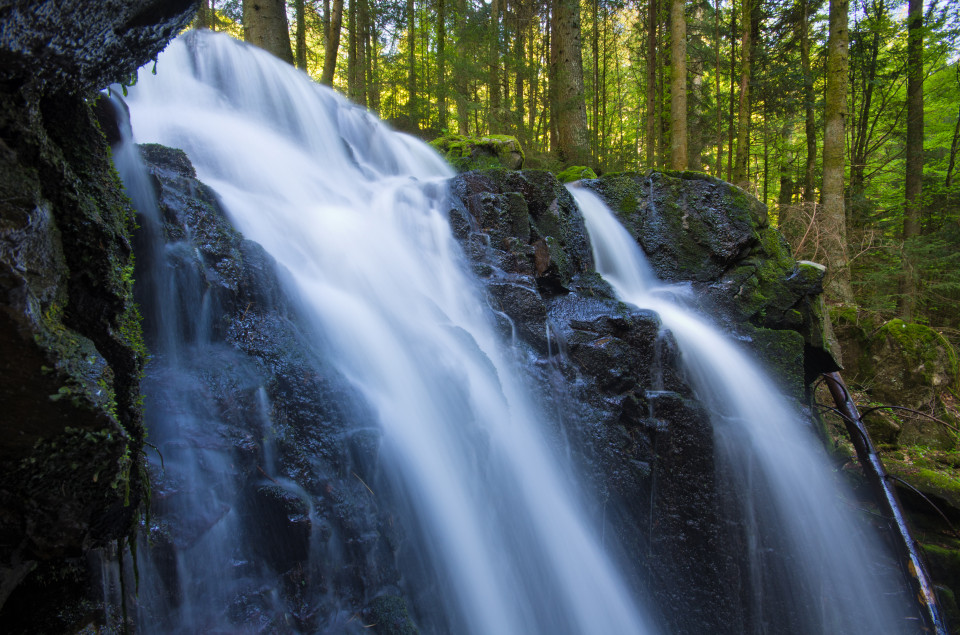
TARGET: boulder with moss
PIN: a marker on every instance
(902, 364)
(466, 153)
(698, 229)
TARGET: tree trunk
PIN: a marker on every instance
(412, 109)
(651, 83)
(333, 43)
(716, 34)
(265, 25)
(301, 34)
(573, 143)
(810, 124)
(595, 49)
(833, 228)
(204, 18)
(363, 49)
(953, 151)
(914, 168)
(353, 59)
(743, 114)
(442, 63)
(733, 73)
(496, 118)
(678, 86)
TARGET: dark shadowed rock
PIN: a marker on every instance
(76, 46)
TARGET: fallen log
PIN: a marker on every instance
(906, 545)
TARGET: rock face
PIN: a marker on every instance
(614, 377)
(78, 45)
(250, 360)
(699, 229)
(71, 350)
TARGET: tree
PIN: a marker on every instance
(265, 25)
(573, 143)
(914, 168)
(678, 86)
(652, 21)
(833, 216)
(412, 109)
(809, 102)
(332, 42)
(743, 114)
(301, 52)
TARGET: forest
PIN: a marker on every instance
(844, 118)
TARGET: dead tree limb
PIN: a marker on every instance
(907, 547)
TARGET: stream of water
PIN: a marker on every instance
(353, 212)
(812, 566)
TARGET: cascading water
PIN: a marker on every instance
(352, 211)
(808, 560)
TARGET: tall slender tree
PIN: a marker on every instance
(743, 114)
(413, 110)
(678, 86)
(301, 18)
(833, 228)
(914, 168)
(651, 109)
(332, 43)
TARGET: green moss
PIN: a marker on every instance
(575, 173)
(477, 153)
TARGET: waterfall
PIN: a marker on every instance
(812, 567)
(352, 212)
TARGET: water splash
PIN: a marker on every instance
(807, 555)
(353, 211)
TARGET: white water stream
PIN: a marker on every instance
(353, 211)
(806, 550)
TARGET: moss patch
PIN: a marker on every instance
(466, 153)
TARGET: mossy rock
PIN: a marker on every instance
(692, 226)
(575, 173)
(466, 153)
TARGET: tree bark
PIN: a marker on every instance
(495, 120)
(651, 83)
(442, 63)
(573, 143)
(265, 25)
(914, 168)
(733, 72)
(716, 34)
(301, 34)
(333, 43)
(833, 221)
(810, 124)
(412, 109)
(954, 144)
(743, 114)
(678, 86)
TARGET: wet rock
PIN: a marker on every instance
(71, 349)
(291, 427)
(77, 46)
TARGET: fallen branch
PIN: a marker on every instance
(876, 475)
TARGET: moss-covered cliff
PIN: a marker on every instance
(71, 351)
